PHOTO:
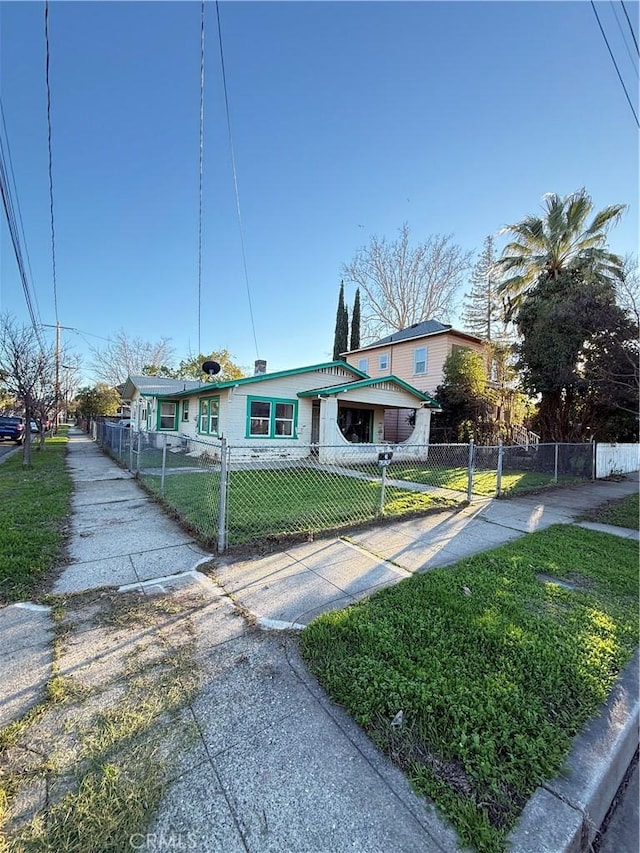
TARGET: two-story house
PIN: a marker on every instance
(416, 355)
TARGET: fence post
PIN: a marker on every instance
(499, 475)
(138, 456)
(594, 461)
(470, 471)
(222, 509)
(555, 465)
(132, 438)
(164, 462)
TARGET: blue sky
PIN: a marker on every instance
(348, 119)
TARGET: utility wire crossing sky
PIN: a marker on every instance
(203, 171)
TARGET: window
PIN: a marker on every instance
(185, 410)
(420, 360)
(363, 365)
(168, 415)
(208, 420)
(383, 362)
(268, 418)
(284, 419)
(260, 417)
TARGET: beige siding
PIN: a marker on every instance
(401, 359)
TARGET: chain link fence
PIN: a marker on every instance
(235, 496)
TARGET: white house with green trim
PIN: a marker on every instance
(323, 409)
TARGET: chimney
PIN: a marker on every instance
(260, 367)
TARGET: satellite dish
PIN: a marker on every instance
(211, 368)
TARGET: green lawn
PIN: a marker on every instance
(494, 668)
(266, 503)
(35, 505)
(621, 513)
(484, 481)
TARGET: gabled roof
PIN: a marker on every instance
(158, 386)
(151, 386)
(418, 330)
(368, 383)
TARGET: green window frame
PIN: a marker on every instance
(167, 415)
(185, 410)
(271, 417)
(209, 416)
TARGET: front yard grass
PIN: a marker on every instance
(475, 678)
(35, 506)
(621, 513)
(456, 479)
(268, 503)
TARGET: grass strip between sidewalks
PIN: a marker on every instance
(35, 507)
(495, 664)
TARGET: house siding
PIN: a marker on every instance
(401, 355)
(233, 413)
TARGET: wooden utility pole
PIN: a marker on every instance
(57, 388)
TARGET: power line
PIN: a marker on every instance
(7, 202)
(53, 232)
(235, 182)
(201, 171)
(17, 205)
(633, 35)
(624, 38)
(613, 59)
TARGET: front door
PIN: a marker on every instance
(315, 426)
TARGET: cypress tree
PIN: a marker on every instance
(341, 336)
(355, 322)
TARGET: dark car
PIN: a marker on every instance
(11, 429)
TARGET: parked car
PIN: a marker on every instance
(11, 429)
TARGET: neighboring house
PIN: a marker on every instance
(416, 355)
(321, 409)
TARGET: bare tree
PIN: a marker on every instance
(129, 356)
(28, 373)
(403, 284)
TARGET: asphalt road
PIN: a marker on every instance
(6, 447)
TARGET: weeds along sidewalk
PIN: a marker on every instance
(171, 716)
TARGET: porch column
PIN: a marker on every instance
(422, 427)
(328, 427)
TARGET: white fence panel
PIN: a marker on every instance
(617, 459)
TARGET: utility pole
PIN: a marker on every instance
(57, 390)
(57, 327)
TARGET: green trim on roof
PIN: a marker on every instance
(246, 380)
(366, 383)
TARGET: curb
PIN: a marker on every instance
(564, 816)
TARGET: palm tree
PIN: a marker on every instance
(559, 241)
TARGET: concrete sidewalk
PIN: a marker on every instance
(277, 766)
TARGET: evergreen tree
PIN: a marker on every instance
(341, 336)
(482, 314)
(355, 322)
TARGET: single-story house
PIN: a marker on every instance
(323, 409)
